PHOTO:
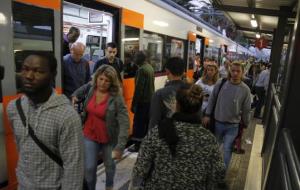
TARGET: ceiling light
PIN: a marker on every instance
(130, 39)
(253, 23)
(160, 23)
(3, 20)
(257, 35)
(252, 16)
(211, 41)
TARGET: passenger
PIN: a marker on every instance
(69, 39)
(261, 86)
(224, 69)
(198, 68)
(111, 59)
(231, 105)
(106, 122)
(53, 122)
(163, 101)
(144, 89)
(179, 153)
(76, 69)
(207, 83)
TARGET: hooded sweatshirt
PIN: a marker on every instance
(57, 125)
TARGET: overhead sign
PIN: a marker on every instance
(261, 43)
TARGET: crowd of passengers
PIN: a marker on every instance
(184, 132)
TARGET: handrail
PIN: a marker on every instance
(276, 99)
(286, 184)
(291, 159)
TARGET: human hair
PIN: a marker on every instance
(238, 64)
(48, 58)
(112, 75)
(175, 65)
(198, 54)
(215, 78)
(189, 99)
(111, 45)
(139, 58)
(74, 30)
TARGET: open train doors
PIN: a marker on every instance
(97, 22)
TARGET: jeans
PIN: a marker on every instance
(92, 149)
(141, 121)
(226, 133)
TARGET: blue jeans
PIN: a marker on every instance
(226, 134)
(92, 149)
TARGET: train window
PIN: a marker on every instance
(31, 32)
(173, 48)
(153, 46)
(191, 55)
(131, 45)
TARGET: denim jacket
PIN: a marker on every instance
(116, 117)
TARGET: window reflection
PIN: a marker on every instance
(153, 46)
(31, 32)
(191, 55)
(131, 46)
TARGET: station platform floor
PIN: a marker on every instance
(244, 172)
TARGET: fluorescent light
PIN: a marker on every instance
(252, 16)
(257, 35)
(3, 20)
(253, 23)
(130, 39)
(160, 23)
(211, 41)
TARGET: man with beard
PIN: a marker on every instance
(47, 129)
(111, 59)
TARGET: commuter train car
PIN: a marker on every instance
(153, 26)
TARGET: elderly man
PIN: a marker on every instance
(76, 69)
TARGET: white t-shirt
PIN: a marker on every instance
(207, 89)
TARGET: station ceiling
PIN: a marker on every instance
(266, 13)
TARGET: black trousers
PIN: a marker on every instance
(141, 121)
(260, 92)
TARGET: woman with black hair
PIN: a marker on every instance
(179, 153)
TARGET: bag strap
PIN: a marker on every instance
(43, 147)
(215, 103)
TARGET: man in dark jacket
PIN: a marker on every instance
(144, 89)
(163, 101)
(111, 59)
(76, 69)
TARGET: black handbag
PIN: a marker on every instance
(212, 122)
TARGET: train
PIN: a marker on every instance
(154, 26)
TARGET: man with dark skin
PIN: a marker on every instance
(55, 124)
(69, 39)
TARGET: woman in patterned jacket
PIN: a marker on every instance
(179, 153)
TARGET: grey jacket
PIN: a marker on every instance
(117, 119)
(57, 125)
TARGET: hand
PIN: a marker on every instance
(74, 100)
(205, 121)
(117, 154)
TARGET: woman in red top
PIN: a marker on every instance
(106, 121)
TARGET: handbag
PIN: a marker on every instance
(212, 122)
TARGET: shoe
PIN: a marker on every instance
(239, 151)
(134, 148)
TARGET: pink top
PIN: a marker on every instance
(95, 126)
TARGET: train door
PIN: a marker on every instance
(35, 26)
(96, 29)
